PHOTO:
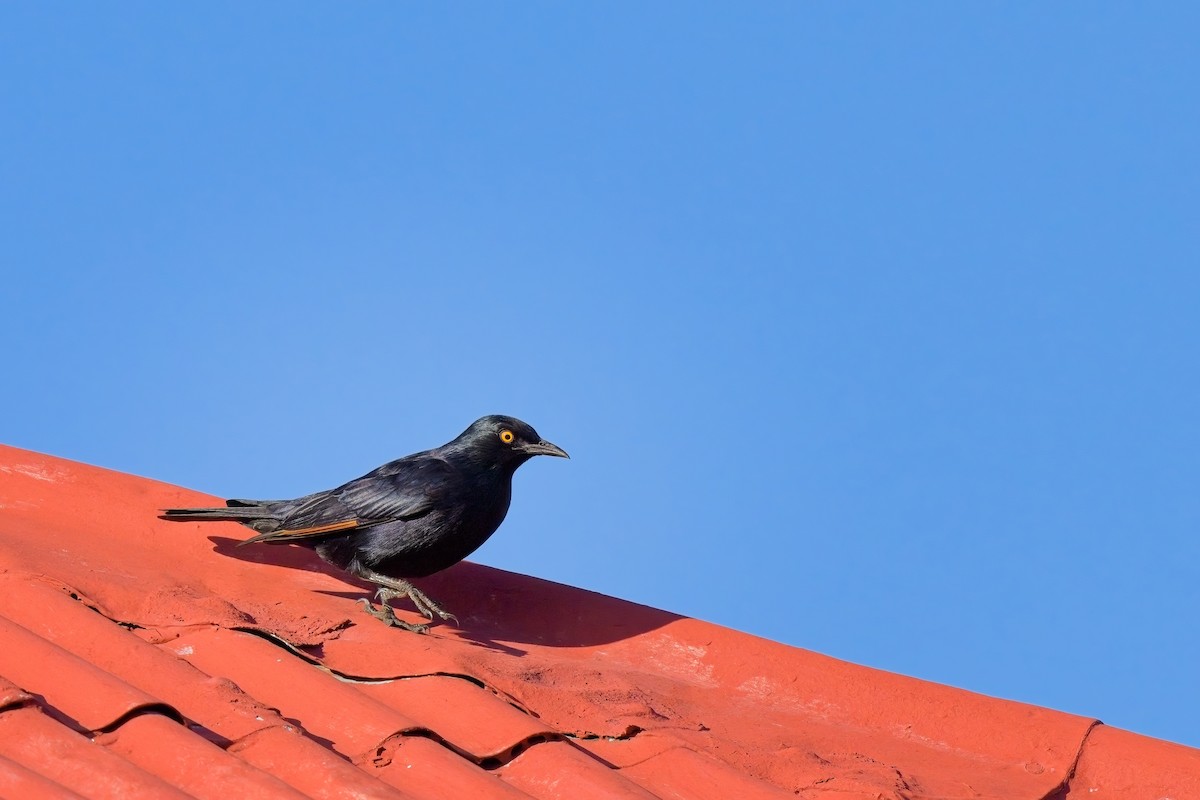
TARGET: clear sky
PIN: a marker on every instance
(871, 328)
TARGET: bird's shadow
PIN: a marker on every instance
(495, 608)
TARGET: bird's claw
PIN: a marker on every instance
(425, 606)
(387, 616)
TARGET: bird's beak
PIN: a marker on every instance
(544, 448)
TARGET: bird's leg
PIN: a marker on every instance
(394, 588)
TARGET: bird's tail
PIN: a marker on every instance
(254, 513)
(213, 514)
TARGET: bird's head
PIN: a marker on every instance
(506, 441)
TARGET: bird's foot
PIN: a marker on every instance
(425, 606)
(387, 616)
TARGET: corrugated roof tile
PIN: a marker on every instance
(311, 769)
(636, 747)
(428, 771)
(223, 710)
(285, 688)
(471, 719)
(681, 772)
(20, 783)
(163, 747)
(559, 771)
(328, 709)
(92, 698)
(60, 755)
(1119, 765)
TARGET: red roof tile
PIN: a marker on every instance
(163, 747)
(140, 658)
(71, 759)
(557, 771)
(1116, 765)
(17, 781)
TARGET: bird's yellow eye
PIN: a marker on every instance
(506, 436)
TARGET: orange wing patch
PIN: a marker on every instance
(333, 526)
(284, 537)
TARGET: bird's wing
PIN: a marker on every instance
(403, 489)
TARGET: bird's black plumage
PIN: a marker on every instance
(407, 519)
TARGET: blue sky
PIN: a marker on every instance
(870, 328)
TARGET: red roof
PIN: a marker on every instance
(140, 658)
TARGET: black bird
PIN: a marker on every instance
(407, 519)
